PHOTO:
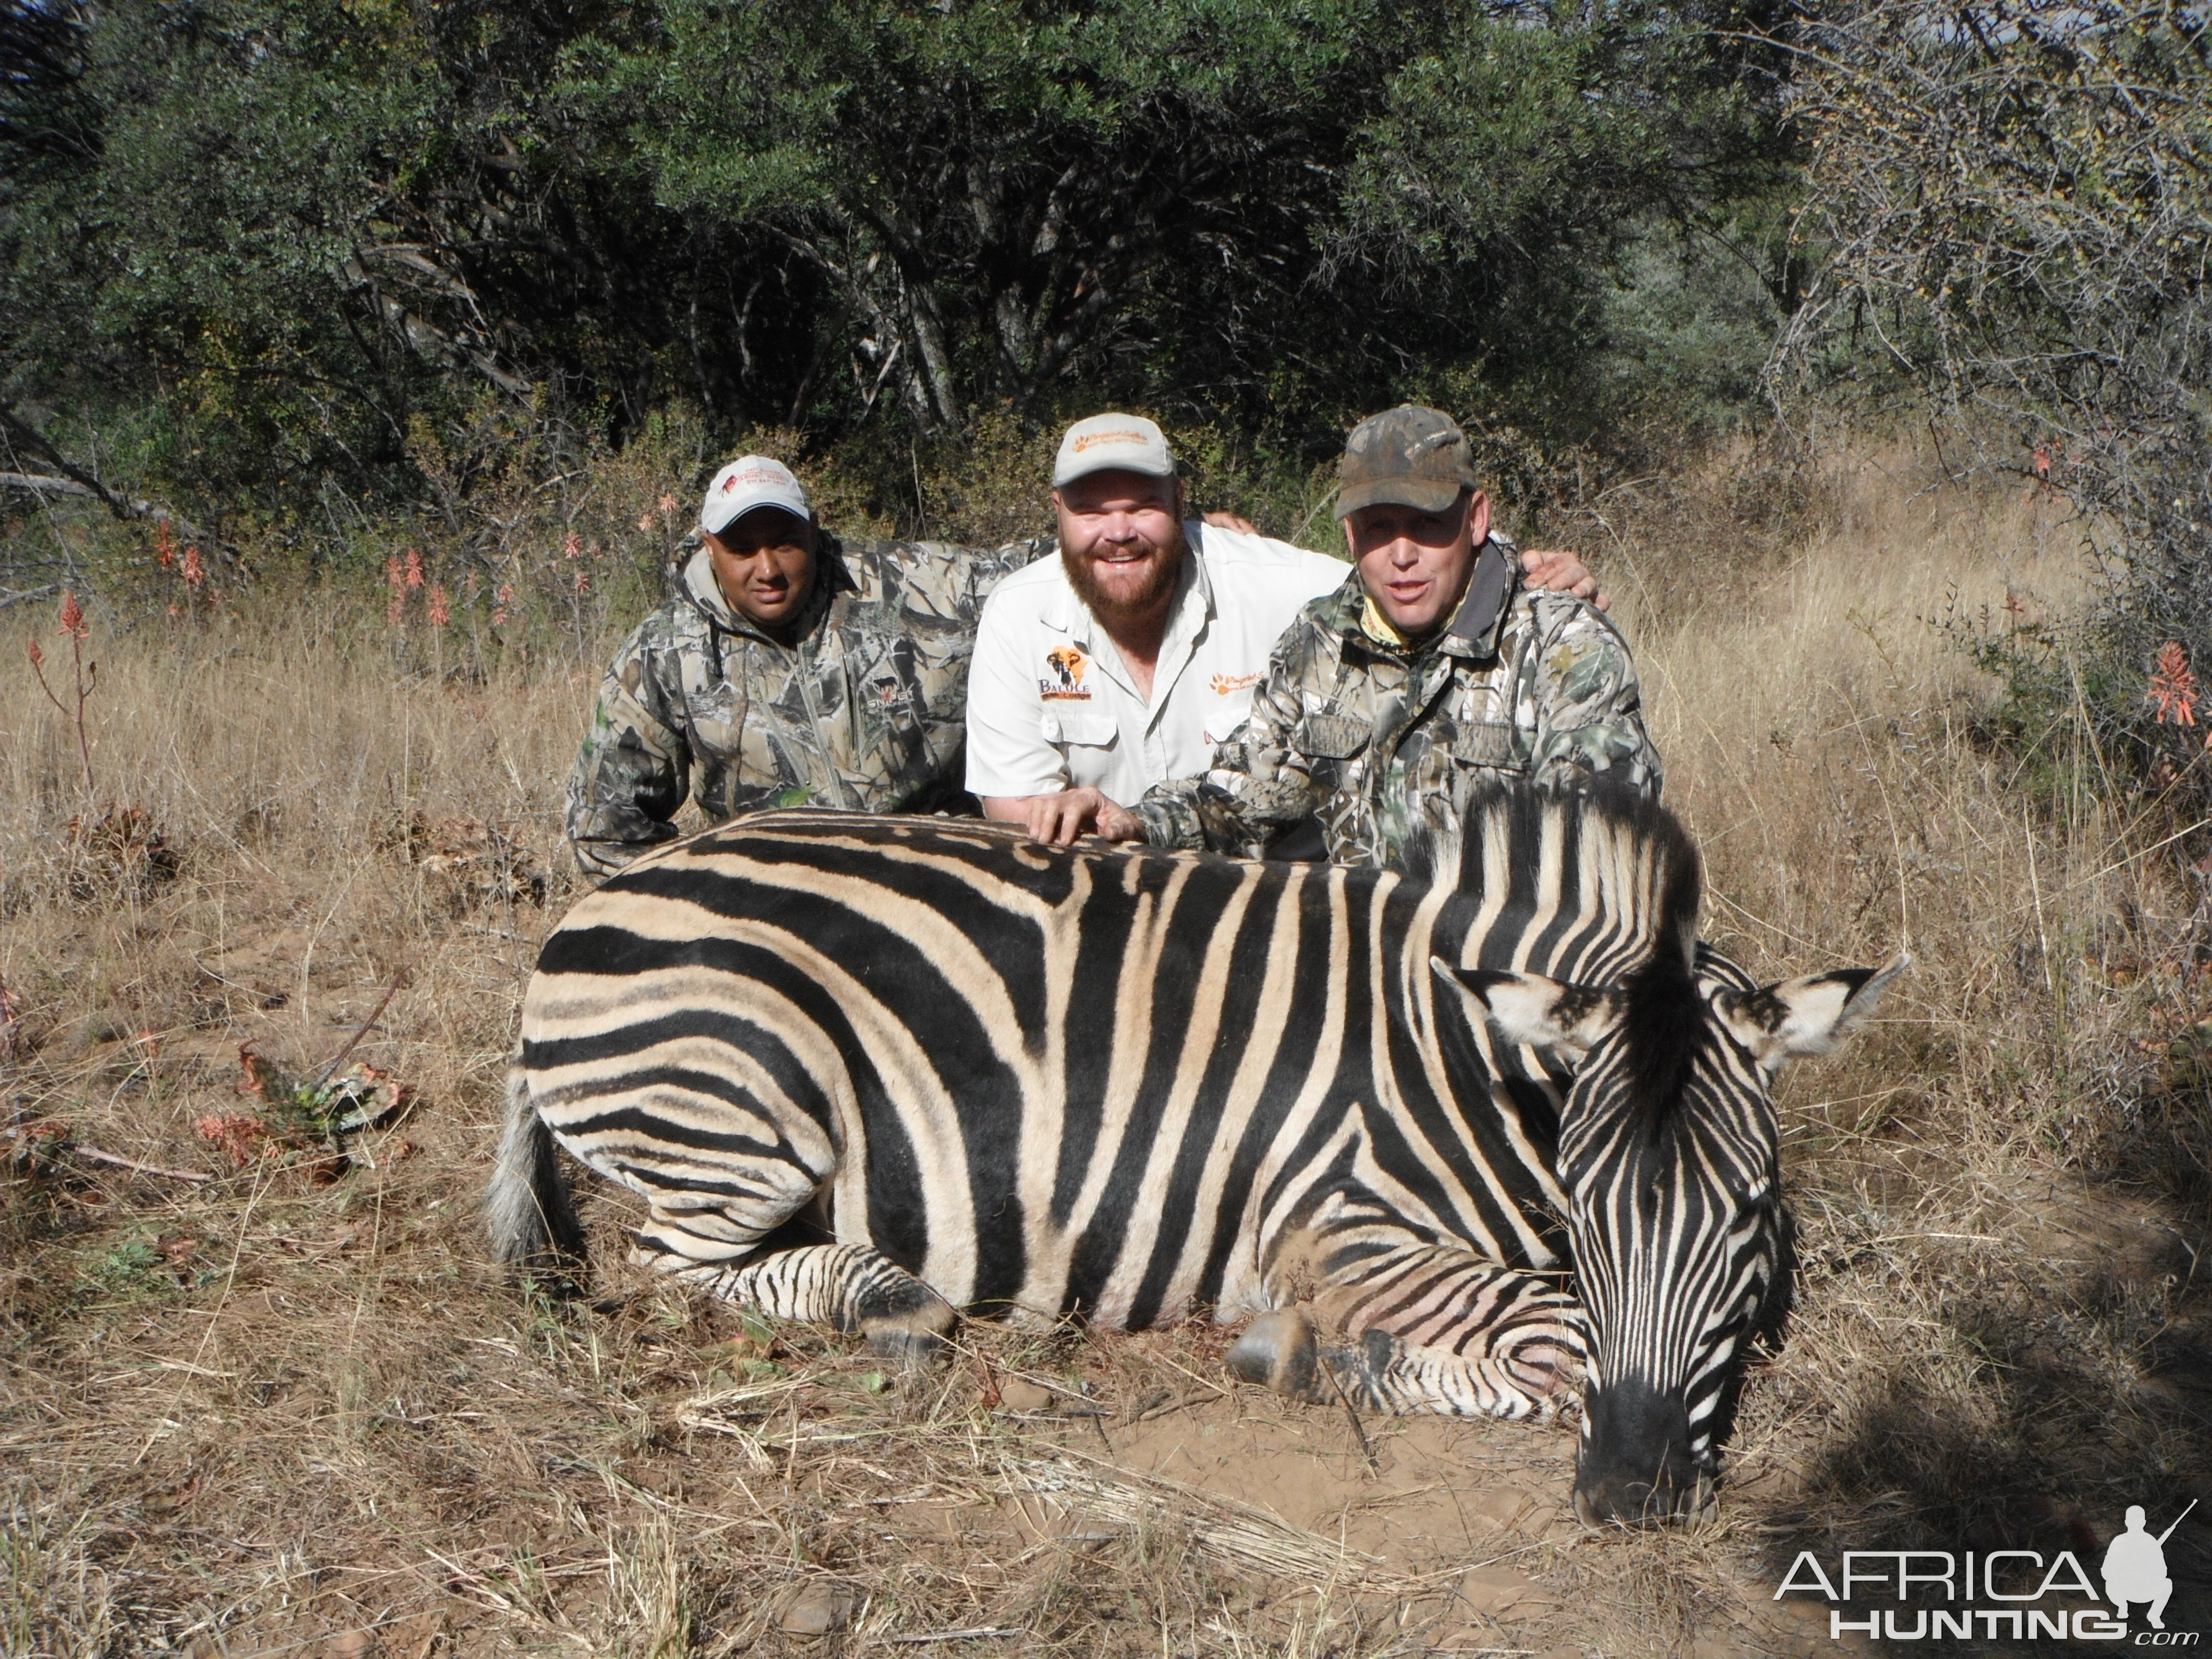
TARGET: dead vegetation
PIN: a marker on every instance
(260, 1394)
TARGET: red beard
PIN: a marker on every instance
(1160, 574)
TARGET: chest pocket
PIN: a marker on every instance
(1334, 737)
(1089, 728)
(1487, 745)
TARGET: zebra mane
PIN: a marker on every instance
(1652, 890)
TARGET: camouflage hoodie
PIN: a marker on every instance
(866, 710)
(1375, 736)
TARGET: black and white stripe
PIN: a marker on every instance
(1124, 1085)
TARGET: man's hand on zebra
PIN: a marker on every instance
(1057, 819)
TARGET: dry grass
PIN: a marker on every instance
(287, 1409)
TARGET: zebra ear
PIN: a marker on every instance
(1807, 1015)
(1542, 1013)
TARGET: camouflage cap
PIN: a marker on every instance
(1409, 457)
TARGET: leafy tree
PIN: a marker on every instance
(266, 236)
(2016, 207)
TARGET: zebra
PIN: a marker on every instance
(1450, 1135)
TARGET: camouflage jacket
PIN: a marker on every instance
(1376, 739)
(866, 710)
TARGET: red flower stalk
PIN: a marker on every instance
(439, 614)
(573, 547)
(165, 545)
(414, 567)
(2173, 687)
(73, 628)
(195, 572)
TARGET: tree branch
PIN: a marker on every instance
(125, 508)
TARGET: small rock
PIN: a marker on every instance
(1016, 1396)
(350, 1644)
(816, 1609)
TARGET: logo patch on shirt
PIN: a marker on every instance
(1223, 685)
(1065, 683)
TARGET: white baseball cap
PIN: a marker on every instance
(749, 481)
(1125, 443)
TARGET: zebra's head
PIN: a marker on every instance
(1669, 1157)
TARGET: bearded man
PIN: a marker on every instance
(1128, 660)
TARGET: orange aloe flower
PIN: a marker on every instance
(2173, 687)
(72, 618)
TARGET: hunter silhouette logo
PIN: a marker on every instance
(2013, 1594)
(2135, 1567)
(1067, 663)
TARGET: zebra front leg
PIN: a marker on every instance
(1423, 1328)
(850, 1286)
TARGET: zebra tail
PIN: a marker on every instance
(535, 1234)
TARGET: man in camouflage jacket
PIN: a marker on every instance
(845, 685)
(1432, 669)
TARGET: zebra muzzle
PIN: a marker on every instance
(1636, 1468)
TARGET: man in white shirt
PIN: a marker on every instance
(1123, 663)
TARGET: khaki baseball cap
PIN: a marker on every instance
(1124, 443)
(1406, 457)
(749, 481)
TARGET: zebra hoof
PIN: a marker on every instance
(1278, 1351)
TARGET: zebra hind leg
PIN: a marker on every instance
(1431, 1329)
(849, 1286)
